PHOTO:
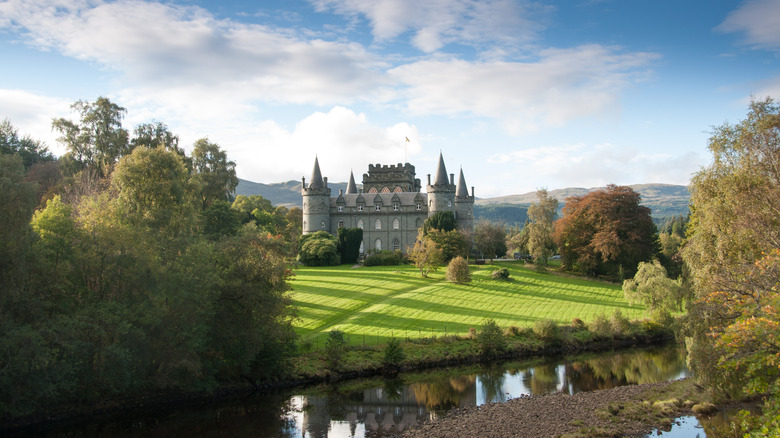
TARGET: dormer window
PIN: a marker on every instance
(449, 203)
(360, 208)
(419, 206)
(341, 208)
(395, 207)
(378, 207)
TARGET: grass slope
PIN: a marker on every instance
(373, 304)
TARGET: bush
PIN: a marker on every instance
(491, 339)
(500, 274)
(319, 249)
(335, 346)
(394, 353)
(601, 325)
(513, 331)
(458, 271)
(384, 258)
(546, 330)
(620, 323)
(578, 324)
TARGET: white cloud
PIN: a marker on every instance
(757, 19)
(436, 23)
(582, 165)
(31, 115)
(563, 84)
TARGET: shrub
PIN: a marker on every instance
(384, 258)
(546, 330)
(491, 339)
(458, 271)
(319, 249)
(500, 274)
(472, 333)
(513, 331)
(601, 325)
(578, 324)
(394, 353)
(335, 346)
(620, 323)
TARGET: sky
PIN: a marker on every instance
(520, 95)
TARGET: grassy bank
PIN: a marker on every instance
(373, 304)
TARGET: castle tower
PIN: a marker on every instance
(316, 202)
(441, 195)
(351, 187)
(464, 204)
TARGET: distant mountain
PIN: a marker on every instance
(663, 199)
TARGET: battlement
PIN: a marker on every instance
(393, 177)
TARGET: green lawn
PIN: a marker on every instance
(373, 304)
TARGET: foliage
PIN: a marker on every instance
(335, 346)
(547, 330)
(500, 274)
(458, 271)
(601, 325)
(98, 140)
(394, 353)
(540, 228)
(513, 215)
(441, 220)
(490, 239)
(490, 338)
(620, 323)
(220, 220)
(453, 243)
(733, 253)
(384, 258)
(31, 151)
(319, 249)
(214, 174)
(425, 254)
(349, 244)
(651, 287)
(606, 232)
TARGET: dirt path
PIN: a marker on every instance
(550, 415)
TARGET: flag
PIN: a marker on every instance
(407, 139)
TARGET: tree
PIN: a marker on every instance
(491, 339)
(425, 254)
(349, 244)
(458, 271)
(540, 229)
(441, 220)
(490, 239)
(733, 253)
(606, 232)
(651, 287)
(154, 135)
(214, 173)
(17, 198)
(31, 151)
(319, 249)
(452, 243)
(98, 140)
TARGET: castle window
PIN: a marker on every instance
(378, 224)
(341, 224)
(396, 244)
(395, 207)
(360, 223)
(378, 207)
(362, 247)
(360, 208)
(322, 225)
(378, 244)
(396, 224)
(449, 203)
(419, 206)
(341, 208)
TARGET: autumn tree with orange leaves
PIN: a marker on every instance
(733, 254)
(606, 233)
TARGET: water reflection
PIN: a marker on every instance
(379, 410)
(376, 408)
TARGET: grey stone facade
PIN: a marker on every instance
(390, 207)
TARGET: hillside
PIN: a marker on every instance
(663, 199)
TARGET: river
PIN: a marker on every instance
(381, 407)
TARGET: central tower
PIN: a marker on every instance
(441, 194)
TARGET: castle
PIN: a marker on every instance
(389, 208)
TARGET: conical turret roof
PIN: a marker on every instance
(462, 191)
(441, 173)
(351, 187)
(316, 177)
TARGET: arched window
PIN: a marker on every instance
(449, 203)
(360, 223)
(362, 247)
(378, 244)
(341, 224)
(418, 223)
(322, 225)
(396, 244)
(304, 224)
(396, 224)
(378, 224)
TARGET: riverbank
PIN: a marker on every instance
(633, 410)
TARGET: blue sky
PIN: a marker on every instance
(520, 94)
